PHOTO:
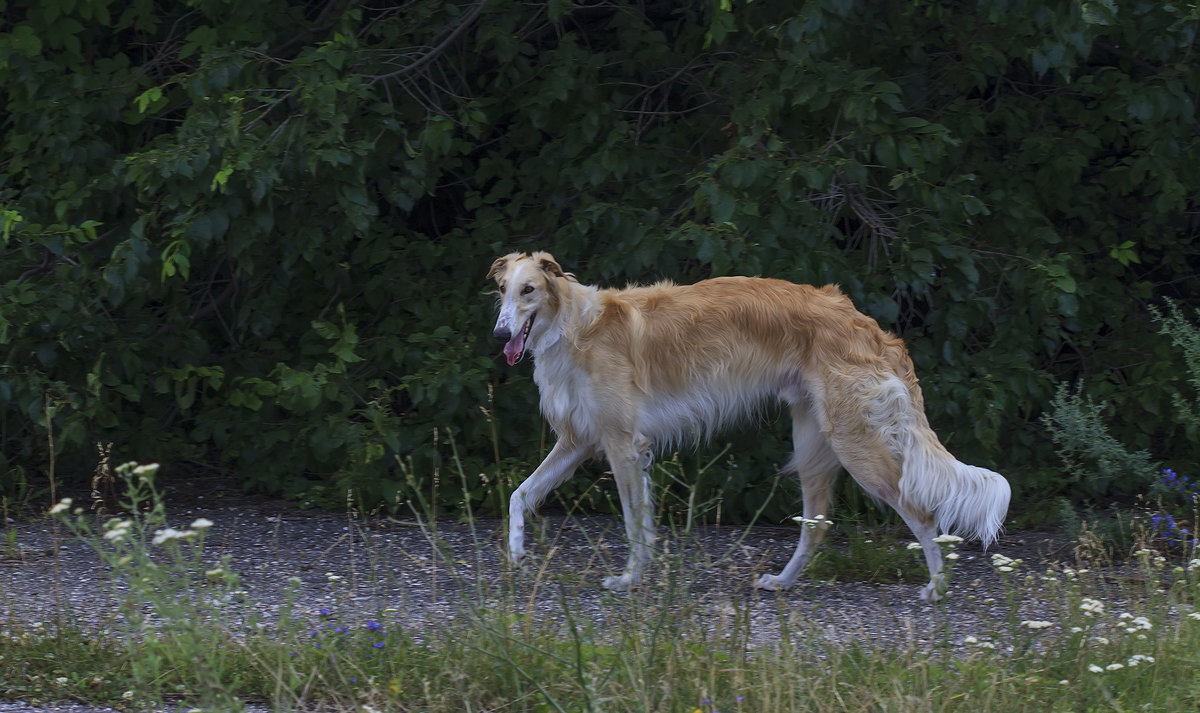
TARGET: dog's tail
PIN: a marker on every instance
(963, 498)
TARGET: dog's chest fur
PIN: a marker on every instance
(565, 391)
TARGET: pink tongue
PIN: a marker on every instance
(515, 347)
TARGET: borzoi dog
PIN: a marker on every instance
(624, 371)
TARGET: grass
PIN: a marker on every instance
(1116, 638)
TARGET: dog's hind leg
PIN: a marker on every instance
(558, 466)
(869, 425)
(817, 466)
(923, 527)
(630, 460)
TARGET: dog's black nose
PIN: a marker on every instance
(501, 334)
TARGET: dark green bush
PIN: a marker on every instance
(252, 235)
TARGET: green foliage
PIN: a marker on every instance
(871, 555)
(1096, 463)
(1185, 337)
(171, 598)
(252, 235)
(1114, 531)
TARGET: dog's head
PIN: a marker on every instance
(529, 299)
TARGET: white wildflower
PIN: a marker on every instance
(952, 556)
(1095, 669)
(1114, 667)
(1035, 625)
(814, 522)
(61, 506)
(947, 539)
(914, 545)
(117, 529)
(1091, 607)
(202, 524)
(1194, 615)
(147, 470)
(1137, 659)
(970, 640)
(169, 534)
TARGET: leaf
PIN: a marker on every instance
(25, 41)
(147, 98)
(221, 178)
(885, 152)
(1065, 283)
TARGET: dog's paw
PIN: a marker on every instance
(769, 582)
(619, 583)
(933, 592)
(517, 558)
(772, 583)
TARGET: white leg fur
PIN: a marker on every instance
(558, 466)
(925, 533)
(630, 459)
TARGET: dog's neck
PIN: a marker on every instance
(579, 307)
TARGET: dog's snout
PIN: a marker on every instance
(502, 334)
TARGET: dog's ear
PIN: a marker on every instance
(549, 266)
(497, 267)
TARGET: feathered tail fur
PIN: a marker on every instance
(963, 498)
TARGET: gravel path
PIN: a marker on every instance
(392, 566)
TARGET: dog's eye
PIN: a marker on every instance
(527, 289)
(501, 289)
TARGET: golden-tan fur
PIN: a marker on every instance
(622, 371)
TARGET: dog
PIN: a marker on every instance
(623, 372)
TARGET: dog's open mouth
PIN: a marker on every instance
(514, 348)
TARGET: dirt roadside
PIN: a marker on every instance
(415, 574)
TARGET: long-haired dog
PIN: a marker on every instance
(624, 371)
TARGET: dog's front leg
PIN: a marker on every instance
(630, 461)
(558, 466)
